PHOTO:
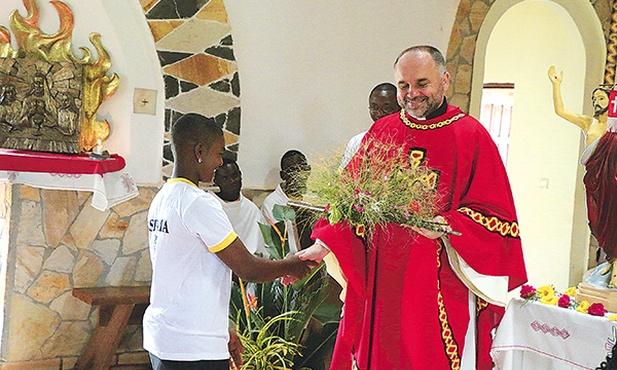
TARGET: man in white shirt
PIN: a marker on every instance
(194, 250)
(243, 214)
(381, 102)
(295, 171)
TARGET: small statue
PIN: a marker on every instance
(600, 161)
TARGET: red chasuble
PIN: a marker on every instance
(405, 307)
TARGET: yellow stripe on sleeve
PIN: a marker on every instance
(225, 243)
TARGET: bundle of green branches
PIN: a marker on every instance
(381, 184)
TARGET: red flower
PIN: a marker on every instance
(596, 309)
(252, 301)
(327, 208)
(564, 301)
(358, 208)
(527, 291)
(415, 207)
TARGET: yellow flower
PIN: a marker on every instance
(546, 294)
(550, 301)
(571, 291)
(583, 307)
(613, 317)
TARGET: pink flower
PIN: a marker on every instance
(564, 301)
(358, 208)
(596, 309)
(357, 191)
(527, 291)
(327, 208)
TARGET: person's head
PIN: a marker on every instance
(197, 145)
(600, 101)
(228, 178)
(38, 84)
(421, 79)
(64, 100)
(382, 101)
(10, 94)
(295, 170)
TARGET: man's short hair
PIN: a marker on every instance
(433, 51)
(384, 86)
(288, 155)
(193, 128)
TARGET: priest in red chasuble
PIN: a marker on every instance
(419, 298)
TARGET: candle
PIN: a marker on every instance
(98, 149)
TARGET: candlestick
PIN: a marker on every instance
(98, 149)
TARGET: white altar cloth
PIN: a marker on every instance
(108, 189)
(537, 336)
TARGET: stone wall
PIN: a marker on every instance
(58, 242)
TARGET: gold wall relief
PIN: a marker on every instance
(48, 95)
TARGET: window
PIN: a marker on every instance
(496, 114)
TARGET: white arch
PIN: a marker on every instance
(586, 19)
(543, 146)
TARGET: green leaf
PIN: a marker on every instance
(270, 239)
(283, 213)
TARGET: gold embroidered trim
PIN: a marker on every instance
(432, 126)
(446, 330)
(480, 304)
(492, 223)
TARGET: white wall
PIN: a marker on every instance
(127, 38)
(542, 144)
(307, 67)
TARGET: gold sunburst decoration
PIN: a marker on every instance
(34, 43)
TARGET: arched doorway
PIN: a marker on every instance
(516, 43)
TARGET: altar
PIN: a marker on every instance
(537, 336)
(104, 177)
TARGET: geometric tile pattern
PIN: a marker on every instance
(195, 48)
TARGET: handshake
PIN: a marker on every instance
(303, 261)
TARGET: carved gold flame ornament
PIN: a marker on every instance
(33, 43)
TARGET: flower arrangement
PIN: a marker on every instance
(380, 185)
(547, 295)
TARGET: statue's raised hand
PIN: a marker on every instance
(553, 76)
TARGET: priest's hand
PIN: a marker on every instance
(315, 252)
(434, 234)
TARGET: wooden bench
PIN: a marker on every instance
(118, 306)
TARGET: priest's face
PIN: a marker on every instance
(421, 83)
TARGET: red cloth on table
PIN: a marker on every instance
(27, 161)
(405, 307)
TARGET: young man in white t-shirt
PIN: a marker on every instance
(194, 249)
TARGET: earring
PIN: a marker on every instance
(199, 160)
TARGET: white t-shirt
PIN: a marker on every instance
(352, 148)
(245, 218)
(187, 319)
